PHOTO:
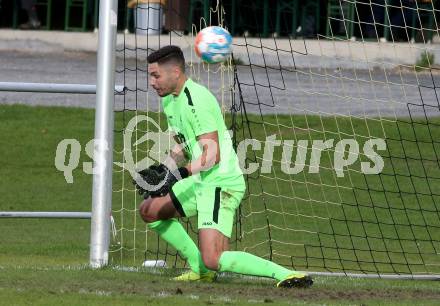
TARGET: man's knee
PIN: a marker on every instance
(211, 260)
(160, 208)
(146, 212)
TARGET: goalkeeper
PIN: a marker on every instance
(210, 186)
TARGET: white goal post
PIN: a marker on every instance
(104, 121)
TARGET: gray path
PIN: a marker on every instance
(317, 91)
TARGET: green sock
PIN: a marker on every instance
(173, 232)
(246, 263)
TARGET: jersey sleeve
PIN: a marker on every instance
(202, 116)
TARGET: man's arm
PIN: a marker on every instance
(177, 156)
(210, 153)
(210, 157)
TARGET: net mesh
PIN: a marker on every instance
(311, 118)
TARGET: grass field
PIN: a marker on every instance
(43, 262)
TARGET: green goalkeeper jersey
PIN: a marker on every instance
(195, 111)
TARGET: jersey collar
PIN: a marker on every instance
(182, 91)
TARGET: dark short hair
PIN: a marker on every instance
(168, 54)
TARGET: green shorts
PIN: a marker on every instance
(214, 206)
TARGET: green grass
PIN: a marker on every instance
(30, 182)
(351, 215)
(68, 286)
(35, 254)
(385, 223)
(425, 61)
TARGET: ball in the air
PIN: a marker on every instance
(213, 44)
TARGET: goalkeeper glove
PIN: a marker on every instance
(159, 179)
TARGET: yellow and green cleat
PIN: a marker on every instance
(297, 280)
(191, 276)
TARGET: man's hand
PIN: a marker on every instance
(159, 180)
(154, 181)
